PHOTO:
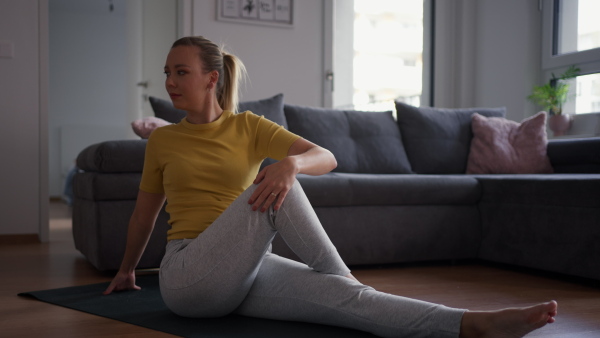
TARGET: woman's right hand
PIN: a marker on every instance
(147, 207)
(122, 281)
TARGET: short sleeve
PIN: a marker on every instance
(152, 178)
(273, 140)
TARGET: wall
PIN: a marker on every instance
(88, 96)
(278, 60)
(21, 149)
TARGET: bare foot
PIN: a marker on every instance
(511, 322)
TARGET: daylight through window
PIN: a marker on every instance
(388, 52)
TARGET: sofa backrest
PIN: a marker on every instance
(362, 142)
(120, 156)
(437, 140)
(575, 155)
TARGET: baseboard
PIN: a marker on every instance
(19, 239)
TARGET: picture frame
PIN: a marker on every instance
(275, 13)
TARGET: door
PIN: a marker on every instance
(159, 31)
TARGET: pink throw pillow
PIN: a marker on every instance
(144, 127)
(501, 146)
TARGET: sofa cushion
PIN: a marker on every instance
(374, 234)
(547, 222)
(100, 233)
(501, 146)
(113, 156)
(437, 140)
(344, 189)
(548, 191)
(362, 142)
(106, 186)
(164, 109)
(271, 108)
(575, 155)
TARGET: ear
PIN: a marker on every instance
(214, 77)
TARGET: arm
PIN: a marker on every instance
(140, 228)
(277, 179)
(308, 158)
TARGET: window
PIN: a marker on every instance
(576, 26)
(571, 36)
(388, 51)
(584, 94)
(381, 53)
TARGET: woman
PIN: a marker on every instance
(223, 217)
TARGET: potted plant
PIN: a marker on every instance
(552, 96)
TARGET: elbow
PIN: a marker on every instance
(333, 162)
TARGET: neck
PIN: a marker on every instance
(209, 112)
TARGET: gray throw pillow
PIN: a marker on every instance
(362, 142)
(271, 108)
(164, 109)
(437, 140)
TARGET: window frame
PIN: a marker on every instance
(588, 60)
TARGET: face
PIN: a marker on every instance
(186, 81)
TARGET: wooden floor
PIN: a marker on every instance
(477, 286)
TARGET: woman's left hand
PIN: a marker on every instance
(274, 182)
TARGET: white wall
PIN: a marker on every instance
(278, 60)
(88, 96)
(21, 172)
(343, 40)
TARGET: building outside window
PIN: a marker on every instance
(388, 52)
(381, 53)
(572, 37)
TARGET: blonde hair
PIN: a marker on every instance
(231, 69)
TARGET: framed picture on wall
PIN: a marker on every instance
(277, 13)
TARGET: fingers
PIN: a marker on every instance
(274, 182)
(120, 285)
(264, 199)
(109, 290)
(271, 198)
(280, 199)
(265, 196)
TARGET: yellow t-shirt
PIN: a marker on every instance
(202, 168)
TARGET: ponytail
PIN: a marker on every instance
(233, 73)
(231, 69)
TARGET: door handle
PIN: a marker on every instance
(329, 77)
(143, 84)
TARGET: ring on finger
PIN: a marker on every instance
(273, 194)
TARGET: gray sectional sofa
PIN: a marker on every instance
(399, 193)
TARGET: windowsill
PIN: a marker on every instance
(583, 126)
(566, 137)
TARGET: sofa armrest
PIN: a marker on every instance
(113, 156)
(575, 155)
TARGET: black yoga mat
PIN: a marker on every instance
(146, 308)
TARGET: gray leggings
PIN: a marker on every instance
(229, 269)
